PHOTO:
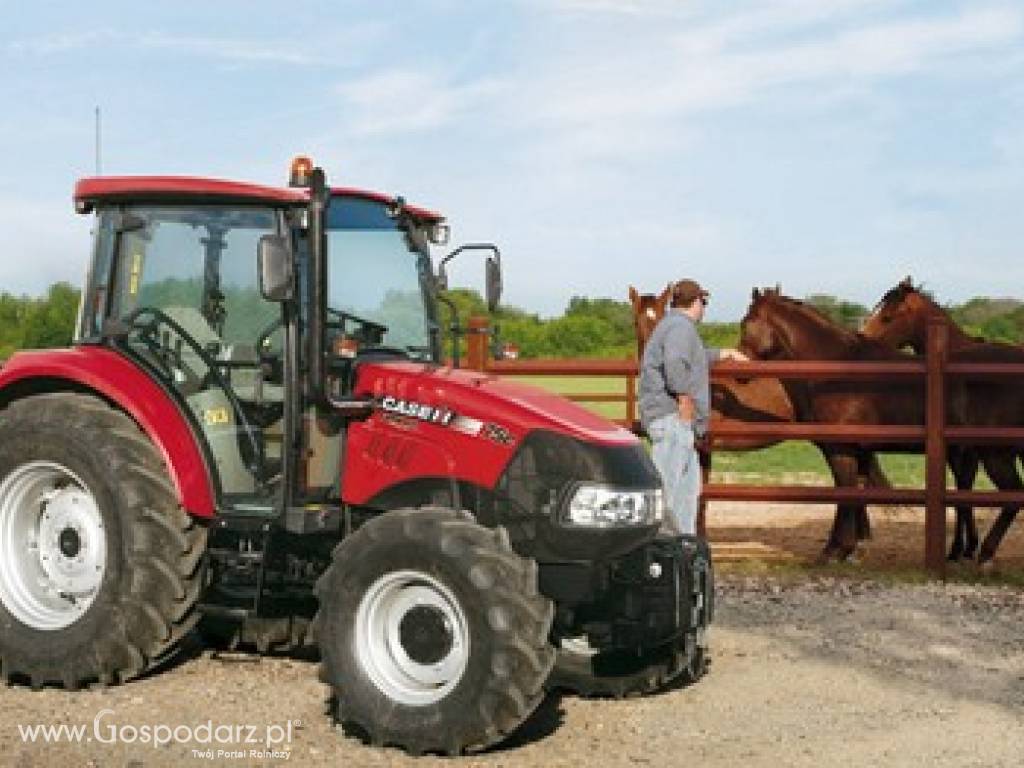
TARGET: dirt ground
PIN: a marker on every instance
(798, 532)
(809, 668)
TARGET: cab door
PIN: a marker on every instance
(179, 294)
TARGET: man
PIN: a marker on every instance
(675, 400)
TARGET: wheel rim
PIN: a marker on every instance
(412, 638)
(53, 546)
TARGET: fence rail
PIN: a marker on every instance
(933, 369)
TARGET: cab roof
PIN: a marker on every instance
(99, 189)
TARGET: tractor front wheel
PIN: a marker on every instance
(432, 633)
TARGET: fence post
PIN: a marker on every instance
(630, 402)
(477, 332)
(935, 446)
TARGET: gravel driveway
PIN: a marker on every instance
(816, 672)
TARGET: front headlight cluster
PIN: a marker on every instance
(598, 506)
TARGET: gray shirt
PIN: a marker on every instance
(675, 362)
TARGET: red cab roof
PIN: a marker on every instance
(90, 191)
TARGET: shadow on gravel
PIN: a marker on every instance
(191, 649)
(959, 641)
(545, 720)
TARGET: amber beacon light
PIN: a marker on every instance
(302, 168)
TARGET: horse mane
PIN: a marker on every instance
(900, 292)
(819, 318)
(857, 345)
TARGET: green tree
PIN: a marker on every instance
(50, 322)
(720, 334)
(846, 313)
(577, 336)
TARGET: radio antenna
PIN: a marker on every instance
(99, 146)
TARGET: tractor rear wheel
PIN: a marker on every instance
(432, 634)
(99, 565)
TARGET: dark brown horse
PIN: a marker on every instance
(901, 319)
(779, 328)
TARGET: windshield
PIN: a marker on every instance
(376, 275)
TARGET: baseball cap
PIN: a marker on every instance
(686, 291)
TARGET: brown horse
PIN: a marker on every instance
(648, 309)
(901, 319)
(780, 328)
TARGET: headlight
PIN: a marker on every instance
(598, 506)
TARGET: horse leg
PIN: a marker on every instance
(964, 464)
(842, 541)
(876, 477)
(1001, 466)
(867, 470)
(842, 538)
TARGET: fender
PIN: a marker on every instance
(118, 380)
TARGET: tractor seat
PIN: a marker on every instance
(248, 382)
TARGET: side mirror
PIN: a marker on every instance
(493, 282)
(442, 278)
(274, 261)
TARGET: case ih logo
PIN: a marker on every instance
(417, 410)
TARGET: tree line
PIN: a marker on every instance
(38, 322)
(589, 327)
(601, 327)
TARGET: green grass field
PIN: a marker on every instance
(790, 462)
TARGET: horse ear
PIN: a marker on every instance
(664, 297)
(755, 294)
(907, 283)
(634, 297)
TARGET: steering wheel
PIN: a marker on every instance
(170, 361)
(148, 336)
(378, 329)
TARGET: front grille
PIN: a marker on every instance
(640, 610)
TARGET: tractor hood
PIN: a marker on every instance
(460, 399)
(514, 453)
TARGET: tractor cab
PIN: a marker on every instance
(175, 285)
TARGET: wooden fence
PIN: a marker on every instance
(933, 435)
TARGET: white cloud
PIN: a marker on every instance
(231, 49)
(697, 72)
(62, 42)
(405, 101)
(239, 50)
(639, 8)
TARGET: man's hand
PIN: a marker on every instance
(733, 354)
(687, 410)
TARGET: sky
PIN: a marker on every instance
(830, 147)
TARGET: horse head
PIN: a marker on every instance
(648, 309)
(759, 336)
(901, 316)
(777, 327)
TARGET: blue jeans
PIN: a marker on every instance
(675, 456)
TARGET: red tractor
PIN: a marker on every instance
(254, 433)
